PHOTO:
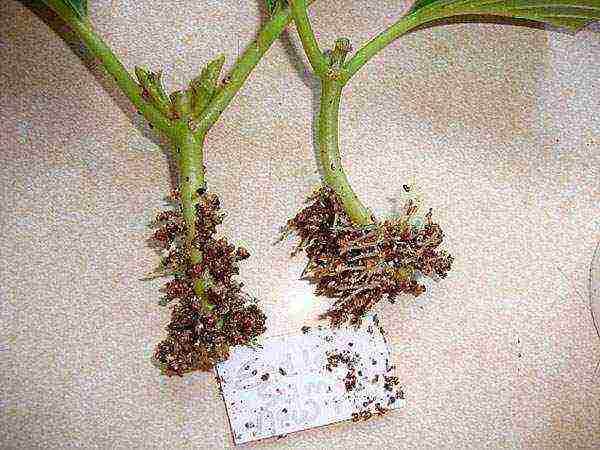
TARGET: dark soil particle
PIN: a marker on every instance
(202, 330)
(265, 377)
(358, 266)
(380, 410)
(366, 415)
(390, 383)
(334, 359)
(350, 380)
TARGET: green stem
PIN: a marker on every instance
(318, 60)
(378, 43)
(328, 70)
(113, 66)
(410, 22)
(190, 156)
(329, 152)
(244, 65)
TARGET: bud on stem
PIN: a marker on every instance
(181, 104)
(340, 51)
(152, 85)
(204, 87)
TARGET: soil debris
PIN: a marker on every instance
(355, 384)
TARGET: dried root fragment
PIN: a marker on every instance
(360, 265)
(202, 330)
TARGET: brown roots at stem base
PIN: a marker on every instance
(358, 266)
(202, 330)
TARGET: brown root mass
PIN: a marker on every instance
(362, 265)
(202, 330)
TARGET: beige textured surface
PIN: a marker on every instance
(498, 126)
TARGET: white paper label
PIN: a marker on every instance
(317, 377)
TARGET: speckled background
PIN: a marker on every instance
(498, 126)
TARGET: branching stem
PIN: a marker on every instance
(244, 66)
(328, 70)
(188, 145)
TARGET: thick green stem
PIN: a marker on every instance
(189, 154)
(113, 66)
(329, 152)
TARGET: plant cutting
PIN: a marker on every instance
(211, 312)
(354, 257)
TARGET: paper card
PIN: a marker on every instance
(317, 377)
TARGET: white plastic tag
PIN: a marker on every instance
(317, 377)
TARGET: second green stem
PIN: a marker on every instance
(329, 152)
